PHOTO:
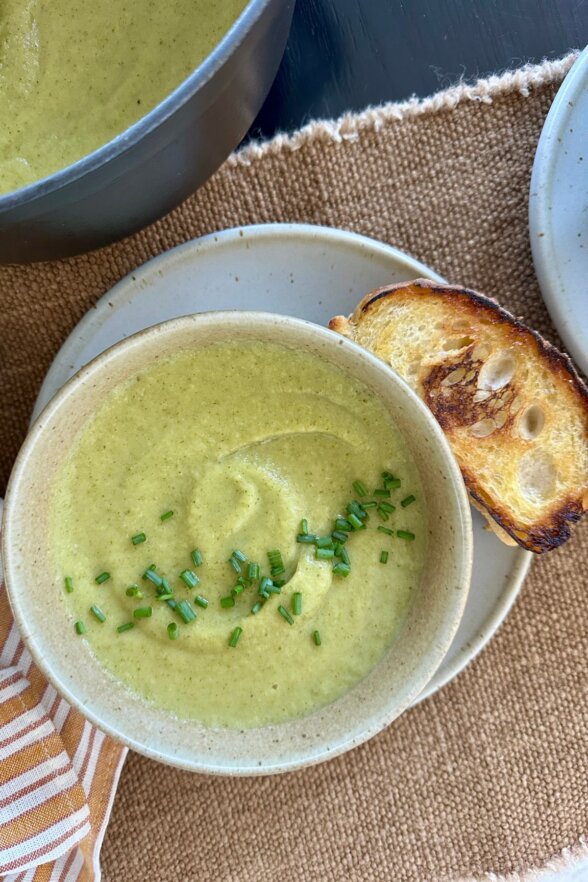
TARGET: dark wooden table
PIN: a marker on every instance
(345, 54)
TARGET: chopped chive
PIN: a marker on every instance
(382, 493)
(324, 542)
(386, 506)
(189, 578)
(304, 527)
(316, 636)
(167, 596)
(383, 557)
(345, 557)
(226, 602)
(340, 536)
(342, 569)
(385, 530)
(337, 548)
(166, 515)
(201, 601)
(253, 571)
(69, 584)
(408, 500)
(343, 524)
(306, 538)
(97, 613)
(234, 639)
(103, 577)
(405, 534)
(237, 589)
(355, 522)
(273, 589)
(239, 555)
(139, 538)
(165, 587)
(196, 556)
(143, 612)
(126, 627)
(285, 614)
(279, 583)
(276, 563)
(235, 564)
(360, 488)
(387, 476)
(256, 607)
(369, 504)
(265, 583)
(356, 508)
(154, 577)
(172, 603)
(297, 603)
(324, 553)
(80, 628)
(149, 569)
(185, 611)
(392, 483)
(134, 591)
(173, 631)
(384, 516)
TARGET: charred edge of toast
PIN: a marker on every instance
(561, 362)
(538, 539)
(553, 531)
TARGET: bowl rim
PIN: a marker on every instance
(427, 664)
(130, 136)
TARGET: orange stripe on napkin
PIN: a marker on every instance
(58, 773)
(43, 808)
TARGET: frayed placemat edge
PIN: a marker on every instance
(348, 126)
(564, 861)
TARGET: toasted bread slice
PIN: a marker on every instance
(513, 408)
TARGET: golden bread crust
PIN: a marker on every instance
(512, 406)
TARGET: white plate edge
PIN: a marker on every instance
(542, 247)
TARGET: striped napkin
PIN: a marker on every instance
(58, 773)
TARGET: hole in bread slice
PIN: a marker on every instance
(483, 428)
(497, 371)
(531, 422)
(537, 475)
(457, 343)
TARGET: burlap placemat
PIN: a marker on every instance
(489, 774)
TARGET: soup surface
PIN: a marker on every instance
(200, 466)
(73, 73)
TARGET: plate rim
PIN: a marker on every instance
(76, 337)
(114, 297)
(540, 214)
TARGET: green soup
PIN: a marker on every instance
(74, 73)
(236, 446)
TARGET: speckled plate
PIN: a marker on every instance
(558, 211)
(304, 271)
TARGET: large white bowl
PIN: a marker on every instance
(68, 662)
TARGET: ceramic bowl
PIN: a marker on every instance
(156, 163)
(67, 661)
